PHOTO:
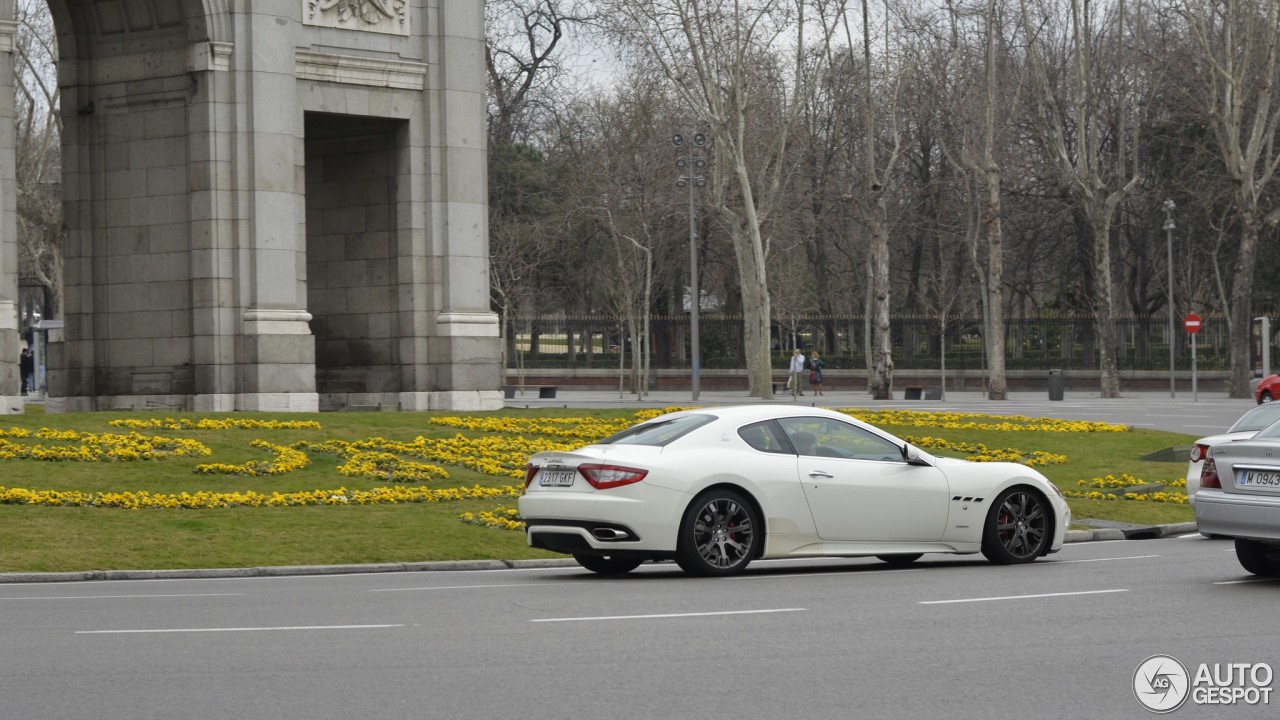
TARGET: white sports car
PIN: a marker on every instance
(716, 488)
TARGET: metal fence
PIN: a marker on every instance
(1039, 343)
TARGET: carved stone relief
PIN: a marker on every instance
(384, 16)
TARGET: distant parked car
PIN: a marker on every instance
(1268, 389)
(1240, 498)
(1246, 427)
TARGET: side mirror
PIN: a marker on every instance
(911, 454)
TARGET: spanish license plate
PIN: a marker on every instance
(1259, 480)
(556, 478)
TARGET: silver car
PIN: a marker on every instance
(1239, 497)
(1246, 427)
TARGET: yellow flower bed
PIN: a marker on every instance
(979, 452)
(1127, 481)
(502, 451)
(979, 421)
(287, 460)
(390, 495)
(96, 448)
(501, 517)
(217, 424)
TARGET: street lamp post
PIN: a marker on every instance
(690, 165)
(1169, 226)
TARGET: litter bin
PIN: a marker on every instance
(1055, 384)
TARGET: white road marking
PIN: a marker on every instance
(464, 587)
(235, 629)
(668, 615)
(117, 597)
(850, 573)
(1064, 562)
(1020, 597)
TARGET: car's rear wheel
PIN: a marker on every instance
(900, 560)
(1258, 558)
(1017, 529)
(606, 564)
(719, 534)
(1265, 397)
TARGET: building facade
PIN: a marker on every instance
(271, 205)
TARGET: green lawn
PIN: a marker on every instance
(43, 538)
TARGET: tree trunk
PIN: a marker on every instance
(1241, 329)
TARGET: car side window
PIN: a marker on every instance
(821, 437)
(764, 436)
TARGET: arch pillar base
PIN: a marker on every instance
(279, 402)
(457, 400)
(12, 404)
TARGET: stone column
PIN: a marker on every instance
(463, 345)
(11, 398)
(276, 348)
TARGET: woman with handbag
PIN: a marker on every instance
(816, 363)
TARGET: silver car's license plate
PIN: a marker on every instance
(1259, 480)
(556, 478)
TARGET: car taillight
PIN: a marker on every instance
(1199, 451)
(603, 477)
(1209, 475)
(529, 471)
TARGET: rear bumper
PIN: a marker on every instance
(1236, 515)
(646, 521)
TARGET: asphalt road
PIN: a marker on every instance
(950, 637)
(1209, 413)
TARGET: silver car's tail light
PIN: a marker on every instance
(1209, 475)
(1199, 451)
(530, 470)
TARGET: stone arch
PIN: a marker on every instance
(220, 256)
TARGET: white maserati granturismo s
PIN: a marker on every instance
(715, 488)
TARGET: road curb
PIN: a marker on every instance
(1073, 536)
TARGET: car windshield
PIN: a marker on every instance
(659, 432)
(1257, 418)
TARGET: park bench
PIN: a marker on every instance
(544, 391)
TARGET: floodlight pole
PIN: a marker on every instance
(1169, 227)
(690, 163)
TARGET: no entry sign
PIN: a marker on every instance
(1191, 323)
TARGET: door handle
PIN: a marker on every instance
(820, 474)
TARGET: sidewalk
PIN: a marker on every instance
(1207, 414)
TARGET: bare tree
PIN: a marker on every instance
(1238, 42)
(866, 190)
(721, 57)
(1098, 178)
(974, 159)
(39, 153)
(524, 44)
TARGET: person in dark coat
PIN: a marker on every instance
(27, 364)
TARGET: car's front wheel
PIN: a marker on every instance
(1265, 397)
(1258, 558)
(608, 565)
(719, 534)
(1017, 529)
